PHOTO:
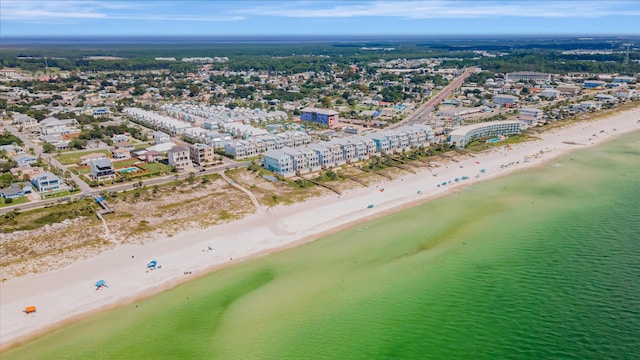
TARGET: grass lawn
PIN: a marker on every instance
(125, 163)
(55, 194)
(74, 158)
(20, 200)
(155, 168)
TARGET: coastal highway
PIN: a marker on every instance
(121, 187)
(420, 116)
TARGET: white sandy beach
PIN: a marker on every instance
(70, 292)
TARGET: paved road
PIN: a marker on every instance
(420, 116)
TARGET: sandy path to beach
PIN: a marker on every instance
(67, 293)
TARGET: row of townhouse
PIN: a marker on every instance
(326, 154)
(258, 145)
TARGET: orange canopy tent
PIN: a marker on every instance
(30, 309)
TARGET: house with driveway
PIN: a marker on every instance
(16, 190)
(24, 159)
(102, 170)
(46, 181)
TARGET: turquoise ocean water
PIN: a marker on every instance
(542, 264)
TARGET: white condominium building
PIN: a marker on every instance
(462, 136)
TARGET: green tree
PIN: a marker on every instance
(48, 148)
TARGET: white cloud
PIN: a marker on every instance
(448, 9)
(53, 11)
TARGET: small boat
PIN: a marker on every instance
(370, 206)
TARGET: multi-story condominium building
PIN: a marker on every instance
(383, 145)
(370, 145)
(240, 149)
(179, 158)
(593, 84)
(288, 140)
(259, 144)
(313, 160)
(348, 148)
(323, 116)
(550, 93)
(539, 78)
(299, 159)
(337, 155)
(531, 116)
(46, 181)
(102, 170)
(324, 154)
(360, 148)
(505, 100)
(278, 162)
(462, 136)
(201, 154)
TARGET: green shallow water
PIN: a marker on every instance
(543, 264)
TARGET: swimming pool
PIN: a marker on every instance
(128, 170)
(493, 140)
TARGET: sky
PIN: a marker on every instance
(45, 18)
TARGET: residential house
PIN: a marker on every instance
(179, 158)
(24, 172)
(160, 137)
(606, 98)
(151, 156)
(121, 153)
(46, 181)
(27, 123)
(550, 93)
(86, 159)
(24, 159)
(53, 126)
(102, 170)
(124, 145)
(16, 190)
(531, 116)
(57, 141)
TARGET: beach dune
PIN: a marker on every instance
(62, 295)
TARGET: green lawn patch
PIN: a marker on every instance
(20, 200)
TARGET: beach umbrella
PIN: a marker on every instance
(152, 264)
(100, 283)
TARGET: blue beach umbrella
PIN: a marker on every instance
(100, 283)
(152, 264)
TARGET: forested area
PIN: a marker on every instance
(288, 58)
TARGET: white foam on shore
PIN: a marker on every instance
(69, 292)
